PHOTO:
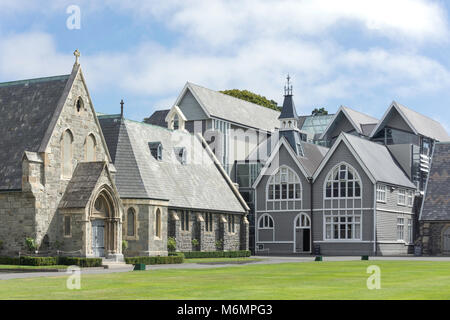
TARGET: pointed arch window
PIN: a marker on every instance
(343, 182)
(158, 223)
(176, 122)
(265, 222)
(79, 104)
(90, 148)
(67, 154)
(284, 185)
(302, 221)
(131, 222)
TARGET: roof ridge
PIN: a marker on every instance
(34, 80)
(364, 114)
(420, 114)
(227, 95)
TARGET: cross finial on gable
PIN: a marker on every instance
(121, 108)
(77, 55)
(288, 86)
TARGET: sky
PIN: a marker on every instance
(361, 54)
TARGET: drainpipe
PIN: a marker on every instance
(310, 180)
(374, 220)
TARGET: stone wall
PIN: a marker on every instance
(17, 216)
(230, 241)
(431, 236)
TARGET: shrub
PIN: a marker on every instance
(219, 245)
(30, 244)
(10, 260)
(38, 261)
(155, 260)
(124, 245)
(171, 244)
(176, 254)
(195, 243)
(217, 254)
(81, 262)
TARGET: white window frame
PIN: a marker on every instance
(330, 179)
(410, 198)
(410, 231)
(400, 229)
(284, 175)
(401, 197)
(329, 221)
(266, 226)
(299, 222)
(381, 193)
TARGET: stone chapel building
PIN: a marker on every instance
(58, 179)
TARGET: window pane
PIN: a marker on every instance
(357, 189)
(343, 189)
(297, 191)
(284, 191)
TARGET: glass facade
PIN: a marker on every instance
(315, 125)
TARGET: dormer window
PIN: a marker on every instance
(176, 122)
(156, 150)
(181, 154)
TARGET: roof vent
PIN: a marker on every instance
(156, 150)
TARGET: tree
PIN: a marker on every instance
(253, 98)
(319, 112)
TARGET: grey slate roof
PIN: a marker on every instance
(288, 111)
(379, 161)
(82, 184)
(313, 156)
(311, 159)
(436, 204)
(128, 178)
(419, 123)
(158, 118)
(26, 109)
(360, 121)
(236, 110)
(198, 184)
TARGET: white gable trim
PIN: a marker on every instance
(385, 115)
(342, 138)
(186, 87)
(275, 151)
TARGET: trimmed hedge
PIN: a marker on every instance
(81, 262)
(155, 260)
(51, 261)
(217, 254)
(176, 254)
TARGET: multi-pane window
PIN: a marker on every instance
(381, 193)
(265, 222)
(284, 185)
(302, 221)
(67, 226)
(341, 225)
(343, 182)
(401, 229)
(410, 231)
(401, 197)
(185, 220)
(208, 222)
(410, 198)
(131, 222)
(231, 226)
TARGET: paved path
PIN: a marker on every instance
(264, 260)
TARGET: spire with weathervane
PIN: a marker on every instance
(288, 117)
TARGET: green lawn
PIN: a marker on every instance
(9, 266)
(214, 260)
(310, 280)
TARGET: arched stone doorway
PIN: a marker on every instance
(105, 225)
